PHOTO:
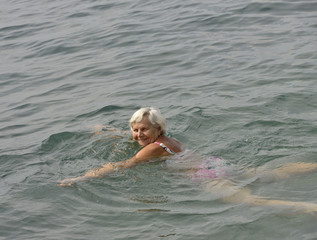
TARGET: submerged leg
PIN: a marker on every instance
(293, 168)
(244, 196)
(267, 175)
(231, 193)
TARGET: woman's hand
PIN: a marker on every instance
(105, 129)
(71, 181)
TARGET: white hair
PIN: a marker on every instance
(154, 116)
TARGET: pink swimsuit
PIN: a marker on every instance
(213, 167)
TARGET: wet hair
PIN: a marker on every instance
(154, 116)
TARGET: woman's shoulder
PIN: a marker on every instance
(151, 150)
(175, 145)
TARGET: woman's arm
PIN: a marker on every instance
(149, 152)
(94, 173)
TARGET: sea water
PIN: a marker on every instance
(235, 79)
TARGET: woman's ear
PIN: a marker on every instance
(160, 130)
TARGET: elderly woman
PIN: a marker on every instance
(148, 128)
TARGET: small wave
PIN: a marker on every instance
(106, 109)
(265, 123)
(54, 141)
(150, 199)
(79, 15)
(277, 7)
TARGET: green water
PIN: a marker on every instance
(235, 79)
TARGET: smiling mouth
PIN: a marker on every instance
(141, 138)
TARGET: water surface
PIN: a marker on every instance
(235, 79)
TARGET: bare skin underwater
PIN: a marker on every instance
(234, 194)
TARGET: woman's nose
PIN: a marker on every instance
(140, 133)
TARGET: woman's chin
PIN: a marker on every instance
(143, 143)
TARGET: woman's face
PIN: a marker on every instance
(144, 132)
